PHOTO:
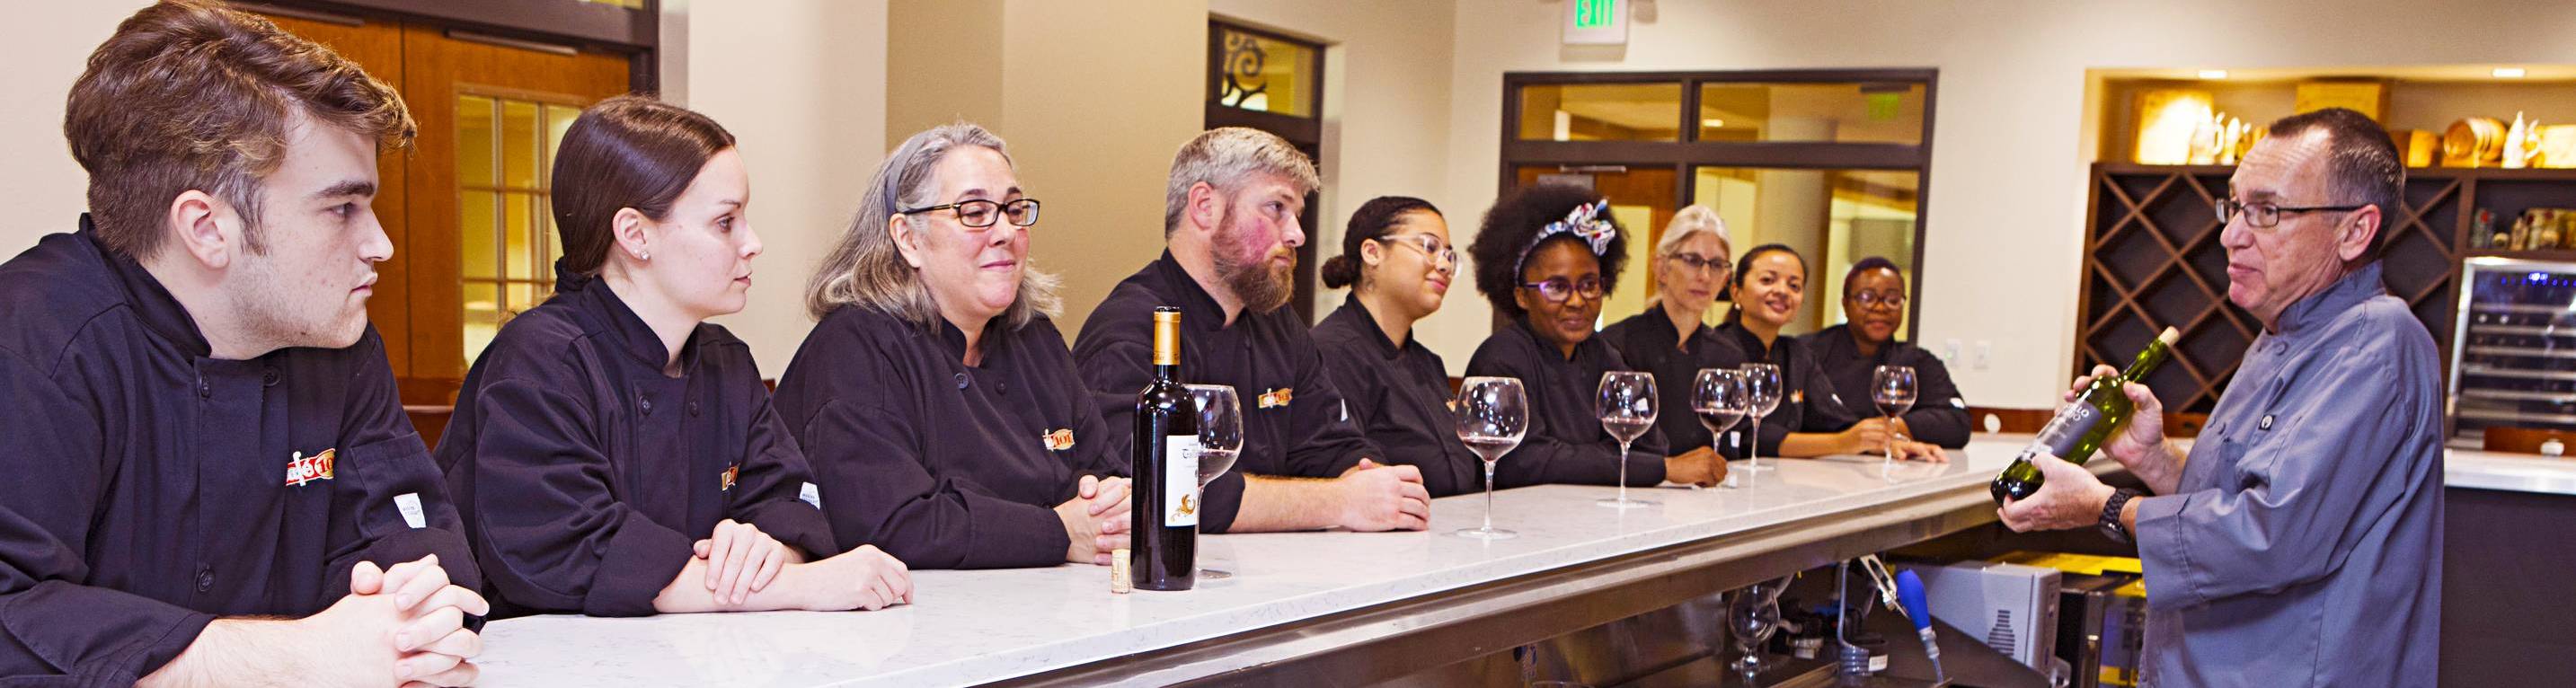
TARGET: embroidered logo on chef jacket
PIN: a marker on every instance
(1799, 397)
(301, 469)
(1278, 397)
(1059, 440)
(731, 472)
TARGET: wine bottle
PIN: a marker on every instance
(1165, 502)
(2081, 427)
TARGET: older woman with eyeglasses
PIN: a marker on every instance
(1670, 339)
(1545, 257)
(1874, 308)
(936, 398)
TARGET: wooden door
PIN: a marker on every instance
(489, 117)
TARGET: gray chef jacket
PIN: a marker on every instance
(2303, 546)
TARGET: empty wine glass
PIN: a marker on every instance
(1493, 415)
(1220, 440)
(1752, 615)
(1762, 389)
(1892, 386)
(1626, 407)
(1718, 399)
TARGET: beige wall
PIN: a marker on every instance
(1093, 98)
(802, 86)
(2006, 201)
(1386, 91)
(47, 45)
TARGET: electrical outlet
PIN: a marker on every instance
(1950, 352)
(1985, 354)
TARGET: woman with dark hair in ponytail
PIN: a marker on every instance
(1811, 421)
(613, 453)
(1546, 257)
(1397, 260)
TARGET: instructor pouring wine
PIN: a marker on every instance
(2299, 543)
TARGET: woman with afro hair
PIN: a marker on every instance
(1545, 258)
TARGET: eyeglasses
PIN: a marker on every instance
(1876, 299)
(1697, 262)
(981, 213)
(1444, 257)
(1557, 289)
(2265, 214)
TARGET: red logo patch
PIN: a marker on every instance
(301, 469)
(1278, 397)
(1060, 440)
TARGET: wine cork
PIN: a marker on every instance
(1119, 580)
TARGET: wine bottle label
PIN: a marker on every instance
(1180, 481)
(2067, 430)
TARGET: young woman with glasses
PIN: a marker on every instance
(1545, 257)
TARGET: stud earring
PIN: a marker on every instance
(646, 255)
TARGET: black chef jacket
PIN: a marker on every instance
(153, 488)
(1648, 342)
(1807, 399)
(1400, 398)
(941, 464)
(1939, 416)
(1293, 420)
(1566, 443)
(586, 473)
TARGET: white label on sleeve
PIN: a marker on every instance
(1181, 480)
(409, 504)
(1961, 404)
(813, 496)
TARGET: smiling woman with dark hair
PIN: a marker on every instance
(1812, 420)
(1874, 304)
(1546, 256)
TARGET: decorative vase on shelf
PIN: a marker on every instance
(2517, 149)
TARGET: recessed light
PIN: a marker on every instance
(2508, 72)
(2213, 74)
(1712, 123)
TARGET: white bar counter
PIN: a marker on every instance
(1297, 596)
(973, 627)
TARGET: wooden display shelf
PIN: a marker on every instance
(2153, 259)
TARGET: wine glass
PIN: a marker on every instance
(1892, 386)
(1752, 615)
(1717, 397)
(1220, 440)
(1626, 406)
(1762, 388)
(1493, 415)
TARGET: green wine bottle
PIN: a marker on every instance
(2081, 427)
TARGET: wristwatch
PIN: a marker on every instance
(2111, 527)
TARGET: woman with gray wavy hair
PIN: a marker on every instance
(935, 397)
(1672, 339)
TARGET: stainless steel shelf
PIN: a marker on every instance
(2522, 351)
(2486, 370)
(2519, 395)
(2490, 414)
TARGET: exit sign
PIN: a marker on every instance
(1596, 22)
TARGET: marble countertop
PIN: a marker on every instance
(2486, 470)
(969, 627)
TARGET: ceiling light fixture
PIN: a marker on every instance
(2509, 72)
(1712, 123)
(2213, 74)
